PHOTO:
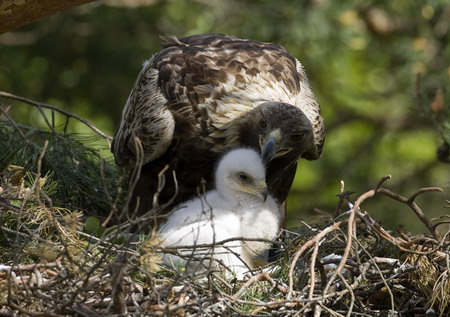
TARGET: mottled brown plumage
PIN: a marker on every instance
(205, 94)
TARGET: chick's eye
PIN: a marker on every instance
(296, 137)
(244, 177)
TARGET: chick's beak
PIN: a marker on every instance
(262, 190)
(264, 193)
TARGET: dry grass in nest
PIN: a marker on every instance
(342, 267)
(56, 262)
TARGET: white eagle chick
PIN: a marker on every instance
(239, 207)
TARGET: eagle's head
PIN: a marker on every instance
(283, 132)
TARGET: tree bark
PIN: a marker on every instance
(17, 13)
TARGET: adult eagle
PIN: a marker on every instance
(205, 94)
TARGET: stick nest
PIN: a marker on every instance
(55, 261)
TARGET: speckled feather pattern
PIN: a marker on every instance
(208, 82)
(147, 117)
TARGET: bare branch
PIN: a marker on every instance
(41, 105)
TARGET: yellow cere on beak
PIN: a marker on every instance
(271, 147)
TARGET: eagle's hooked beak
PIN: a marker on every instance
(270, 146)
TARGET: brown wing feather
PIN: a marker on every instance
(212, 60)
(189, 100)
(203, 77)
(146, 117)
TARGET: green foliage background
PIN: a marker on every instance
(362, 59)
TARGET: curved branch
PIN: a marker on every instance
(40, 105)
(415, 208)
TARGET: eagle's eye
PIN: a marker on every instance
(297, 137)
(262, 124)
(244, 177)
